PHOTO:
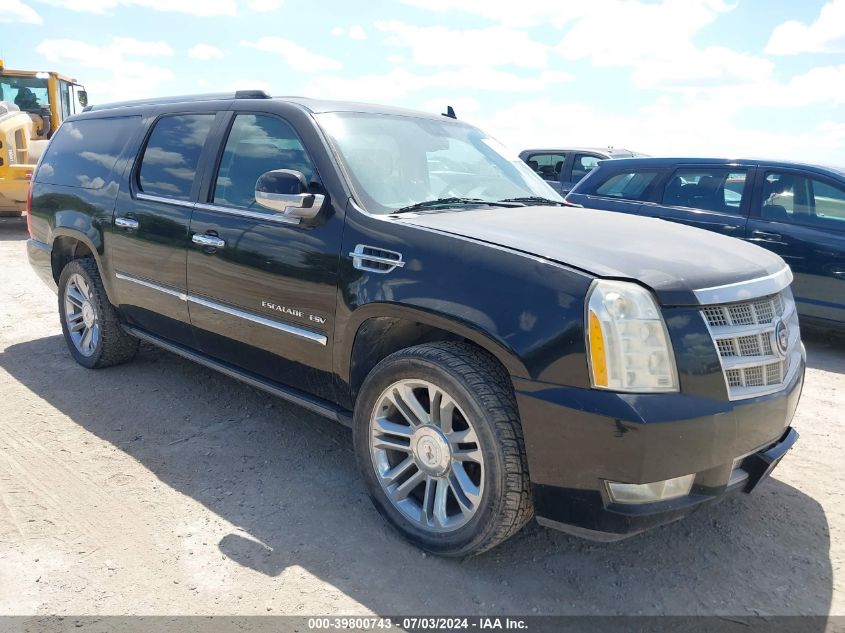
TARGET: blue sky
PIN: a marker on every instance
(683, 77)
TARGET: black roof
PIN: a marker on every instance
(312, 105)
(624, 163)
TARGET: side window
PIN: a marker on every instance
(170, 159)
(582, 165)
(547, 166)
(629, 185)
(257, 144)
(710, 189)
(64, 100)
(790, 197)
(82, 153)
(829, 204)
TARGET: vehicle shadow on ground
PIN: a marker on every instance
(13, 229)
(825, 350)
(287, 478)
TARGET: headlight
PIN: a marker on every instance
(627, 339)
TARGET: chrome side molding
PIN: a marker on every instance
(310, 335)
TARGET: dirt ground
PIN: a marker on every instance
(161, 487)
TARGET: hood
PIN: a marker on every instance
(672, 259)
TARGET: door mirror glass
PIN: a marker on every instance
(82, 97)
(286, 191)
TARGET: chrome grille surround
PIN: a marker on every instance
(744, 335)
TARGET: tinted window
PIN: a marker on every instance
(548, 166)
(257, 144)
(170, 159)
(790, 197)
(710, 189)
(582, 165)
(631, 185)
(83, 153)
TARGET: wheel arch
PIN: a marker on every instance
(69, 244)
(377, 330)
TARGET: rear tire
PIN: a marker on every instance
(439, 444)
(90, 323)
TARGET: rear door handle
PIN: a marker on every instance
(126, 223)
(765, 235)
(208, 241)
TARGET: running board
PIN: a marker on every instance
(295, 396)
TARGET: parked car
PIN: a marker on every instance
(792, 209)
(496, 355)
(562, 168)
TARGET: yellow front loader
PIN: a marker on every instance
(32, 106)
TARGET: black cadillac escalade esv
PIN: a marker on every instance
(497, 355)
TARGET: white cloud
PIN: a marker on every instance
(121, 76)
(492, 46)
(12, 11)
(659, 130)
(662, 52)
(296, 56)
(205, 51)
(263, 6)
(400, 82)
(396, 59)
(504, 11)
(356, 32)
(825, 35)
(192, 7)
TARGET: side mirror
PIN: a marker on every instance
(286, 191)
(82, 96)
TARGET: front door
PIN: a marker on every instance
(150, 234)
(262, 297)
(801, 217)
(579, 166)
(712, 198)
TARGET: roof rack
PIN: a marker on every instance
(211, 96)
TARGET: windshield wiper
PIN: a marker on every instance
(533, 200)
(442, 202)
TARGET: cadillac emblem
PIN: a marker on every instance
(782, 337)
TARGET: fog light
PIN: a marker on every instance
(649, 493)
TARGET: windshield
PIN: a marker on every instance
(28, 93)
(396, 161)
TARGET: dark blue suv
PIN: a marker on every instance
(795, 210)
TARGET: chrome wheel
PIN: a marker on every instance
(426, 455)
(83, 323)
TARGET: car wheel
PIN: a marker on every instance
(90, 323)
(439, 444)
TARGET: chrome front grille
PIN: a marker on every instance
(745, 336)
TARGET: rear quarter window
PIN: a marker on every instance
(83, 153)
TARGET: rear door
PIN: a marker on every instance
(150, 233)
(801, 217)
(264, 300)
(707, 197)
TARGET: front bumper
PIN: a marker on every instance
(577, 439)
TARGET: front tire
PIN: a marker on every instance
(439, 444)
(90, 323)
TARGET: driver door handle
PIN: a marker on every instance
(208, 241)
(765, 235)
